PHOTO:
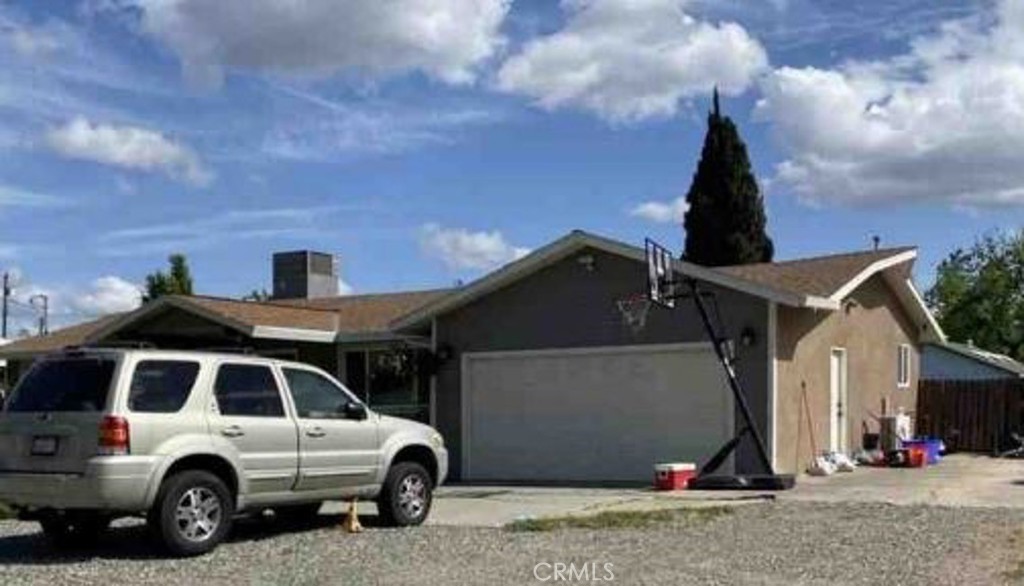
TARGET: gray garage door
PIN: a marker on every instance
(604, 414)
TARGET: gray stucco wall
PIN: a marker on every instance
(940, 364)
(564, 306)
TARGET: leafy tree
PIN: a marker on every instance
(725, 223)
(257, 295)
(979, 294)
(177, 281)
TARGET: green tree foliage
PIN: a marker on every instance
(177, 281)
(258, 296)
(725, 223)
(979, 294)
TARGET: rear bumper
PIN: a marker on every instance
(114, 483)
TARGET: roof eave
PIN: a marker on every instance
(576, 240)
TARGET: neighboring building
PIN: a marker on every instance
(952, 361)
(531, 375)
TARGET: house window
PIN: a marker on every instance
(390, 381)
(903, 366)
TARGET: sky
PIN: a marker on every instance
(427, 142)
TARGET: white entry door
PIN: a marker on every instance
(838, 401)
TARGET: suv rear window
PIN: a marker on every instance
(79, 384)
(161, 386)
(247, 390)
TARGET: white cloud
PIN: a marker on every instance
(67, 304)
(324, 129)
(16, 197)
(459, 248)
(662, 212)
(201, 232)
(105, 295)
(127, 147)
(942, 122)
(628, 60)
(344, 288)
(445, 39)
(30, 42)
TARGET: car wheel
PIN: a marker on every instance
(406, 495)
(192, 513)
(74, 529)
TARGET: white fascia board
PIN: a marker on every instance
(933, 325)
(293, 334)
(870, 271)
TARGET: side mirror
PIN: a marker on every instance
(353, 410)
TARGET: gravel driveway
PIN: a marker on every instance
(764, 543)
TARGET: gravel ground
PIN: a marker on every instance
(765, 543)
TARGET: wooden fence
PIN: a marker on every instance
(970, 416)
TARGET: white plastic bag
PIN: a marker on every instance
(821, 467)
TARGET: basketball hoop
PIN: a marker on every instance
(634, 310)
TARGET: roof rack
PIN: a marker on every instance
(125, 344)
(246, 350)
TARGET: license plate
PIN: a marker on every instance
(44, 446)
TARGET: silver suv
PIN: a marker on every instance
(188, 439)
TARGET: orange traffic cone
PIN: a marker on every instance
(351, 523)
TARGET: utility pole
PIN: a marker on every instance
(7, 294)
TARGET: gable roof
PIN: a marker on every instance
(993, 359)
(75, 335)
(822, 276)
(331, 319)
(819, 283)
(369, 313)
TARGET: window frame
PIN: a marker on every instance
(188, 395)
(903, 366)
(274, 376)
(337, 384)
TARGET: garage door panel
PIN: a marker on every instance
(586, 415)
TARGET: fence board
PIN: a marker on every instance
(972, 416)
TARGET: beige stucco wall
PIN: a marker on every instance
(871, 330)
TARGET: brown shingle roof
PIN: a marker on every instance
(820, 276)
(370, 313)
(70, 336)
(253, 314)
(351, 314)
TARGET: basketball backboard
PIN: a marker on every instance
(661, 278)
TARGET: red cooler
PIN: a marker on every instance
(673, 476)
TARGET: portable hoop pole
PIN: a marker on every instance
(734, 384)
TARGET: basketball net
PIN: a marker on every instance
(634, 311)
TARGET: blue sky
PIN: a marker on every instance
(425, 141)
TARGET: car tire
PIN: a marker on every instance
(192, 513)
(406, 496)
(74, 529)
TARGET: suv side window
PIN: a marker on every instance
(315, 396)
(161, 386)
(248, 390)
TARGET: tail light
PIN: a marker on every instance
(114, 438)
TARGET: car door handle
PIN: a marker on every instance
(232, 431)
(316, 432)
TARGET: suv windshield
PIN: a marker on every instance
(79, 384)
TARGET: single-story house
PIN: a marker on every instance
(532, 376)
(954, 361)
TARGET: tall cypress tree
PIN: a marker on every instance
(725, 224)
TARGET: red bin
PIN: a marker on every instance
(917, 456)
(675, 476)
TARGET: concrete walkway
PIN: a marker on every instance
(960, 480)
